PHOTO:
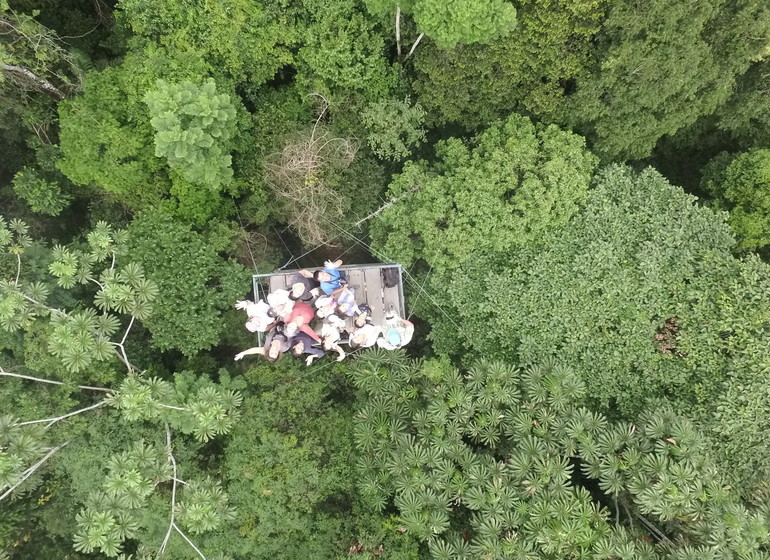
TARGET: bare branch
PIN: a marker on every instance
(51, 381)
(297, 174)
(26, 77)
(185, 537)
(387, 205)
(128, 328)
(31, 470)
(172, 526)
(414, 46)
(172, 407)
(171, 460)
(52, 421)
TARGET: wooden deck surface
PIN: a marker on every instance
(366, 283)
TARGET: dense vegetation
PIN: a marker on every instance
(579, 191)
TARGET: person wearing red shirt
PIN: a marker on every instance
(299, 320)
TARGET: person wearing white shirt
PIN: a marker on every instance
(364, 337)
(396, 332)
(281, 302)
(331, 333)
(259, 314)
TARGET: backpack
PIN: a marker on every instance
(390, 277)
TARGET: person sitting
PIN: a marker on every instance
(346, 303)
(331, 334)
(397, 332)
(281, 302)
(364, 316)
(304, 287)
(261, 317)
(364, 337)
(276, 343)
(330, 279)
(326, 305)
(303, 344)
(299, 320)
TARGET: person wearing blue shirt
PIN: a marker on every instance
(330, 278)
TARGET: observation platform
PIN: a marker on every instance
(366, 281)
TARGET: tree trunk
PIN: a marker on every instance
(398, 31)
(28, 77)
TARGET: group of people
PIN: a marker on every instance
(309, 319)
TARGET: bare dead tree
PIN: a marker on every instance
(59, 77)
(27, 79)
(298, 174)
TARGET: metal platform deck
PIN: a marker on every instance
(365, 280)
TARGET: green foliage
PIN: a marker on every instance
(117, 511)
(43, 196)
(518, 181)
(83, 336)
(112, 514)
(14, 236)
(192, 203)
(455, 21)
(660, 68)
(297, 112)
(288, 467)
(395, 128)
(741, 184)
(341, 55)
(530, 70)
(106, 137)
(746, 115)
(120, 507)
(19, 447)
(195, 284)
(473, 458)
(640, 293)
(206, 411)
(193, 125)
(240, 37)
(37, 69)
(104, 142)
(450, 22)
(204, 506)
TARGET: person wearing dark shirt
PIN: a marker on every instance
(304, 287)
(276, 343)
(303, 344)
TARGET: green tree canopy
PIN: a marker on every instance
(195, 284)
(496, 462)
(455, 21)
(106, 136)
(240, 38)
(659, 68)
(517, 181)
(741, 184)
(641, 294)
(193, 125)
(395, 128)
